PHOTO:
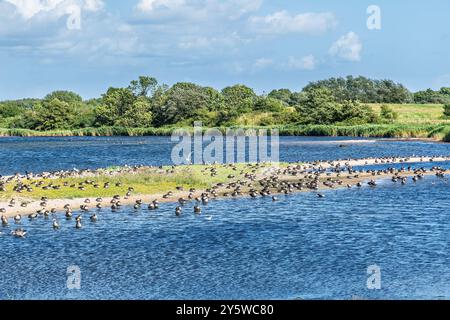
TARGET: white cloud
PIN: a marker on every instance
(347, 47)
(308, 62)
(283, 22)
(262, 63)
(204, 10)
(93, 5)
(152, 5)
(30, 8)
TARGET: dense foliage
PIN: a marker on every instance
(364, 90)
(145, 104)
(447, 110)
(430, 96)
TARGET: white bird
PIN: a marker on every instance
(188, 158)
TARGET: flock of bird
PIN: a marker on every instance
(311, 176)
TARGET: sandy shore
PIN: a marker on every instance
(344, 180)
(380, 161)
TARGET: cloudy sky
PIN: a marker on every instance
(88, 45)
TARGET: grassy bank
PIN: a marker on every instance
(145, 181)
(434, 131)
(417, 113)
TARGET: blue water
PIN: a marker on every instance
(300, 247)
(49, 154)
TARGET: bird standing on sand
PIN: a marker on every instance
(4, 221)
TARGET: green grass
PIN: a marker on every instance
(103, 131)
(417, 113)
(396, 130)
(368, 130)
(145, 181)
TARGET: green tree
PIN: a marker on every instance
(445, 91)
(138, 115)
(318, 106)
(143, 86)
(353, 113)
(64, 96)
(268, 104)
(431, 96)
(121, 107)
(54, 115)
(447, 110)
(238, 99)
(185, 103)
(364, 90)
(284, 95)
(388, 114)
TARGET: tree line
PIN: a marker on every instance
(146, 103)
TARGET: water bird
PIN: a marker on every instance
(68, 214)
(94, 218)
(33, 216)
(55, 224)
(19, 233)
(197, 209)
(4, 221)
(372, 183)
(17, 218)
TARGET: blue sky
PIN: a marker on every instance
(88, 45)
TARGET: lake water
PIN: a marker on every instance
(300, 247)
(49, 154)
